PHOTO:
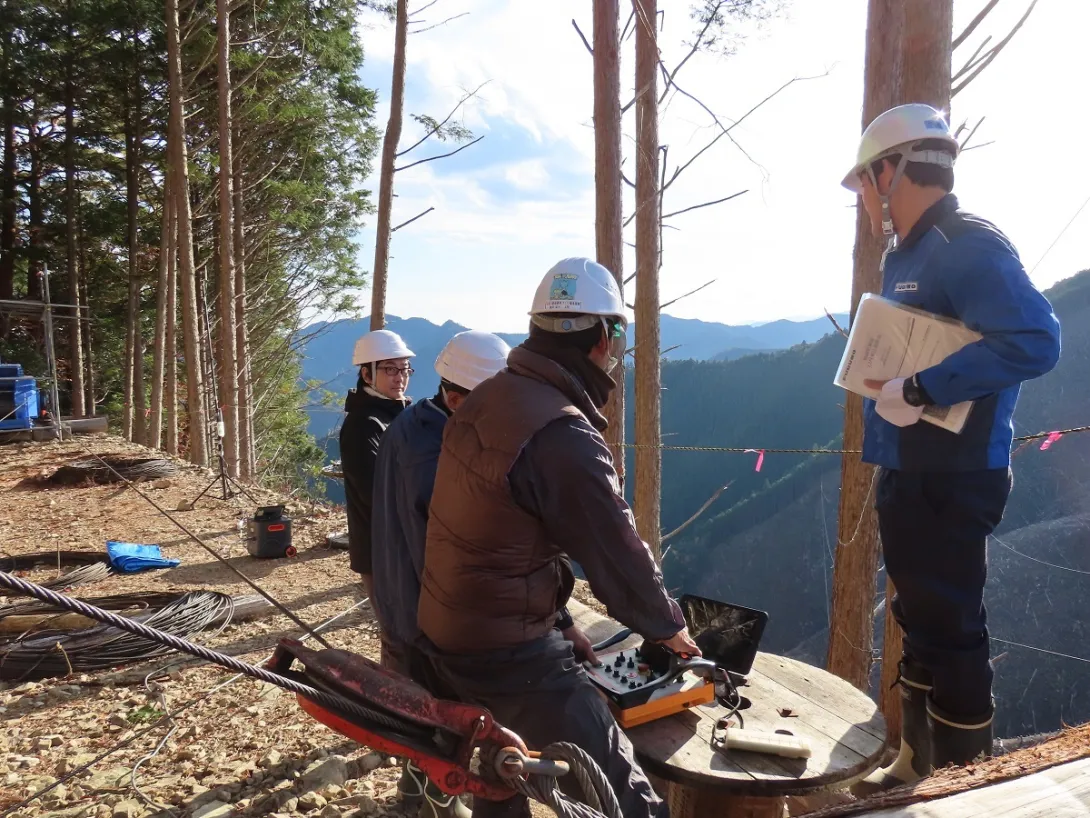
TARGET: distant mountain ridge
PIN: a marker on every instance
(327, 356)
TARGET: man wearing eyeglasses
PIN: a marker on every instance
(524, 481)
(379, 397)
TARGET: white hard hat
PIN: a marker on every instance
(577, 285)
(897, 128)
(379, 345)
(471, 357)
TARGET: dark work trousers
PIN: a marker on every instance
(934, 528)
(539, 691)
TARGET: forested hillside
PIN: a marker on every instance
(104, 104)
(770, 544)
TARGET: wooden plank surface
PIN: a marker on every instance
(1059, 792)
(843, 725)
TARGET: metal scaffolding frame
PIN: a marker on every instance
(43, 310)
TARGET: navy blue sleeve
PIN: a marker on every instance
(989, 291)
(415, 486)
(565, 477)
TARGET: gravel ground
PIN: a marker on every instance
(244, 748)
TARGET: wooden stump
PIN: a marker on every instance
(693, 802)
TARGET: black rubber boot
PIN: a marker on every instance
(913, 760)
(437, 804)
(419, 796)
(411, 786)
(958, 740)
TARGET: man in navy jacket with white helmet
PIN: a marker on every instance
(940, 495)
(404, 479)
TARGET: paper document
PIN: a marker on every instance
(889, 340)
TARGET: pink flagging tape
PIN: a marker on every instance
(760, 457)
(1048, 441)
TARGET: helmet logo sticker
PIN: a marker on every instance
(935, 125)
(562, 293)
(563, 287)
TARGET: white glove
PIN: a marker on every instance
(891, 404)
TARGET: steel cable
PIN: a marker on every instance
(143, 600)
(599, 798)
(167, 718)
(91, 566)
(324, 698)
(113, 470)
(267, 596)
(59, 653)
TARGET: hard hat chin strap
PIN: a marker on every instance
(940, 158)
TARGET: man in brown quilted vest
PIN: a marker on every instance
(525, 482)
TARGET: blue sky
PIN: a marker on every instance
(510, 206)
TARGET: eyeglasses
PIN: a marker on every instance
(393, 371)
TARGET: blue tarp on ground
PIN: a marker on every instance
(129, 558)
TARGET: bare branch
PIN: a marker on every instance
(413, 219)
(724, 130)
(699, 511)
(668, 349)
(976, 21)
(972, 61)
(706, 204)
(965, 142)
(839, 328)
(582, 37)
(440, 156)
(465, 98)
(981, 145)
(429, 28)
(686, 295)
(995, 51)
(422, 9)
(625, 32)
(669, 76)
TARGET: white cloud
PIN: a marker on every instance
(782, 249)
(531, 175)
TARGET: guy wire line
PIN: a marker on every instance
(268, 597)
(757, 449)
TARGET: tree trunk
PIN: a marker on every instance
(648, 367)
(247, 464)
(159, 353)
(228, 358)
(36, 220)
(170, 342)
(132, 306)
(88, 351)
(197, 419)
(851, 636)
(75, 334)
(207, 364)
(925, 77)
(929, 29)
(7, 175)
(607, 186)
(386, 178)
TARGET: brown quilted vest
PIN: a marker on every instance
(492, 578)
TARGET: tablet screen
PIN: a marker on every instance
(726, 634)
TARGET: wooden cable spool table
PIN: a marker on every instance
(846, 732)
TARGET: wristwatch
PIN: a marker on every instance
(913, 393)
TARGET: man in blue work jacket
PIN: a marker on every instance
(940, 495)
